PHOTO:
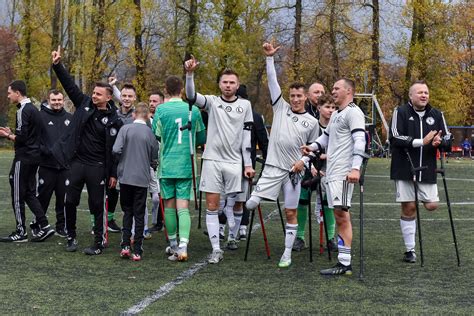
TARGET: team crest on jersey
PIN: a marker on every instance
(228, 108)
(66, 182)
(294, 119)
(104, 120)
(257, 188)
(430, 120)
(113, 131)
(305, 124)
(86, 108)
(66, 122)
(41, 181)
(239, 109)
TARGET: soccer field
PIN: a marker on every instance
(42, 278)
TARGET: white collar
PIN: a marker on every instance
(139, 121)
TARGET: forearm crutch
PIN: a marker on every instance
(310, 226)
(361, 217)
(415, 186)
(448, 202)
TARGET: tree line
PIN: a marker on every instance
(143, 41)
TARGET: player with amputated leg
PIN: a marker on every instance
(292, 128)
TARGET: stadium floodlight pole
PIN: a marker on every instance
(361, 215)
(189, 126)
(448, 202)
(415, 186)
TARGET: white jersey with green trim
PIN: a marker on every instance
(225, 128)
(289, 132)
(341, 145)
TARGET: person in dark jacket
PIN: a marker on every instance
(27, 138)
(417, 131)
(51, 175)
(86, 149)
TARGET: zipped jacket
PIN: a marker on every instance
(28, 133)
(66, 148)
(407, 125)
(55, 124)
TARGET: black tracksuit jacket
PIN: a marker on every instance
(406, 125)
(66, 148)
(28, 134)
(55, 124)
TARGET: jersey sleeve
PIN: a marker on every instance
(248, 114)
(356, 121)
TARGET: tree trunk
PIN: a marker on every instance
(332, 38)
(98, 23)
(28, 29)
(55, 41)
(375, 46)
(192, 29)
(417, 39)
(297, 41)
(139, 57)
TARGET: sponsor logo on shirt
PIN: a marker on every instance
(50, 123)
(228, 108)
(305, 124)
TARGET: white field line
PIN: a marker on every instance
(447, 179)
(168, 287)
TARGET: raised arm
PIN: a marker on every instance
(199, 100)
(273, 86)
(72, 90)
(113, 82)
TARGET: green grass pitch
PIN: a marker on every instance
(44, 279)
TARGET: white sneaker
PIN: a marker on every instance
(216, 256)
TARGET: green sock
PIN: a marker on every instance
(110, 216)
(330, 221)
(184, 225)
(302, 217)
(170, 222)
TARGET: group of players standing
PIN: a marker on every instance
(99, 145)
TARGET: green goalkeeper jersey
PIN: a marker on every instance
(175, 161)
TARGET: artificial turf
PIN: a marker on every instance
(44, 279)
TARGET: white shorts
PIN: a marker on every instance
(220, 177)
(427, 192)
(154, 186)
(339, 193)
(243, 196)
(274, 179)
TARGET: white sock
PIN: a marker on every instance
(344, 252)
(408, 232)
(235, 230)
(212, 223)
(174, 244)
(229, 210)
(290, 235)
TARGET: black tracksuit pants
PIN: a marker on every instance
(23, 190)
(53, 180)
(94, 179)
(133, 202)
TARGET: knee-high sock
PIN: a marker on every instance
(184, 225)
(330, 221)
(344, 252)
(408, 227)
(290, 235)
(229, 210)
(234, 231)
(302, 217)
(212, 223)
(171, 223)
